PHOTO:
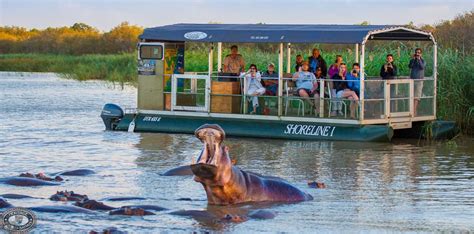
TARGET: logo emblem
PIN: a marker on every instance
(17, 220)
(195, 35)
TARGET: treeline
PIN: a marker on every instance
(78, 39)
(81, 38)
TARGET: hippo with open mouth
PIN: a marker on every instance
(227, 184)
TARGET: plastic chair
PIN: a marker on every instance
(338, 100)
(290, 97)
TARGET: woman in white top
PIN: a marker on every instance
(253, 86)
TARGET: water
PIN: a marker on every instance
(50, 124)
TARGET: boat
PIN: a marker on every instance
(172, 99)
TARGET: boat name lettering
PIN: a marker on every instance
(151, 119)
(309, 130)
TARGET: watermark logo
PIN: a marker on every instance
(17, 220)
(195, 35)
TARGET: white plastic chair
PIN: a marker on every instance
(336, 101)
(289, 91)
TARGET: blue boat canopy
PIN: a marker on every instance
(282, 33)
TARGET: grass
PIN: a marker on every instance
(454, 88)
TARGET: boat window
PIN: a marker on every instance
(151, 52)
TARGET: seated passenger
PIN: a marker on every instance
(388, 70)
(234, 62)
(334, 68)
(271, 84)
(253, 87)
(342, 91)
(299, 61)
(307, 86)
(354, 77)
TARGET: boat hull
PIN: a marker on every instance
(254, 128)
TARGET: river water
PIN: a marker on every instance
(49, 124)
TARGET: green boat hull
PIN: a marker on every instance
(258, 128)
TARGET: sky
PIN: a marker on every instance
(105, 14)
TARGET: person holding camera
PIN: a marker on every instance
(417, 71)
(253, 86)
(354, 78)
(388, 70)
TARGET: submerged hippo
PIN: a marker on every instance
(67, 196)
(4, 204)
(225, 183)
(41, 176)
(26, 181)
(76, 172)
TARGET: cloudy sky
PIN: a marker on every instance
(104, 14)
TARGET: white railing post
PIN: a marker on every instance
(362, 83)
(280, 79)
(357, 52)
(435, 75)
(288, 58)
(210, 62)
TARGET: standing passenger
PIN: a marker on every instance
(315, 61)
(417, 66)
(234, 62)
(334, 68)
(388, 70)
(299, 62)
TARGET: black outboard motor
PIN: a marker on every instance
(111, 115)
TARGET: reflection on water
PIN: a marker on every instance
(50, 124)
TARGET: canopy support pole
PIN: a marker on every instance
(435, 74)
(219, 56)
(362, 82)
(357, 52)
(280, 79)
(288, 58)
(210, 62)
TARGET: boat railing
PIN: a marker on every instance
(383, 101)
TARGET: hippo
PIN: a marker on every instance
(93, 205)
(130, 211)
(27, 181)
(4, 204)
(226, 184)
(76, 172)
(67, 196)
(179, 171)
(61, 209)
(15, 196)
(41, 176)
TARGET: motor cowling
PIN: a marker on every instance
(111, 115)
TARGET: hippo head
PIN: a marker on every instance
(213, 165)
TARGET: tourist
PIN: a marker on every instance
(307, 86)
(334, 68)
(353, 78)
(253, 87)
(299, 62)
(417, 66)
(342, 91)
(270, 80)
(234, 62)
(388, 70)
(315, 61)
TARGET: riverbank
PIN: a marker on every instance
(455, 73)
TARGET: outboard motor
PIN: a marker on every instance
(111, 115)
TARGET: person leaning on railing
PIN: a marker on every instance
(417, 66)
(343, 91)
(253, 87)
